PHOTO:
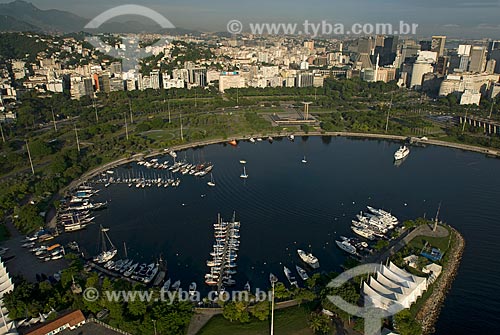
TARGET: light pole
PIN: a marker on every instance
(273, 280)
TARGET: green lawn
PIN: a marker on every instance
(290, 321)
(437, 242)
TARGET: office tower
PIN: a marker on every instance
(493, 45)
(477, 59)
(365, 45)
(379, 40)
(389, 50)
(104, 85)
(495, 54)
(422, 66)
(425, 45)
(442, 65)
(437, 44)
(88, 86)
(490, 66)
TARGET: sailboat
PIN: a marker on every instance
(211, 183)
(304, 160)
(105, 254)
(244, 174)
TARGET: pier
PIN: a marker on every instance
(224, 254)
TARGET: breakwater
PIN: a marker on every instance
(429, 313)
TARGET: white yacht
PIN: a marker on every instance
(401, 153)
(363, 233)
(347, 247)
(309, 259)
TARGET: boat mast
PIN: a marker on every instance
(436, 219)
(125, 249)
(109, 240)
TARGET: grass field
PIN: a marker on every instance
(437, 242)
(290, 321)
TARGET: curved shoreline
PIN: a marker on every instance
(428, 315)
(92, 173)
(198, 144)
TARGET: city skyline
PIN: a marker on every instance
(463, 19)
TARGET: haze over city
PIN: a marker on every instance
(455, 18)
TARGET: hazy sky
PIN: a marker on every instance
(470, 18)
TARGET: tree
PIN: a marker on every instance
(302, 294)
(280, 291)
(236, 311)
(261, 310)
(381, 244)
(406, 324)
(137, 307)
(319, 323)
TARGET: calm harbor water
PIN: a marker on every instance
(285, 205)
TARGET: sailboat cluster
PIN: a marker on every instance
(224, 254)
(75, 214)
(161, 179)
(126, 268)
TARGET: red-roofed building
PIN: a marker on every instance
(70, 320)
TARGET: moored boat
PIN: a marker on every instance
(302, 273)
(309, 259)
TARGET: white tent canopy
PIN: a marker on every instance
(393, 287)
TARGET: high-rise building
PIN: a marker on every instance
(422, 66)
(437, 44)
(156, 79)
(379, 40)
(495, 54)
(464, 63)
(493, 45)
(464, 49)
(304, 80)
(442, 65)
(365, 45)
(104, 85)
(309, 45)
(490, 66)
(115, 67)
(425, 45)
(88, 86)
(477, 59)
(389, 49)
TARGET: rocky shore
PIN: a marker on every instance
(429, 313)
